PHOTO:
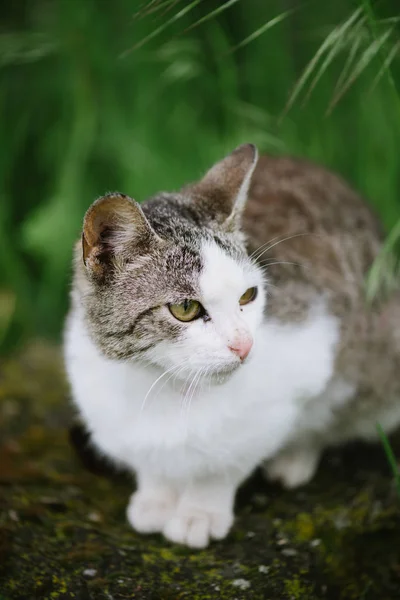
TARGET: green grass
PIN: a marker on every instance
(98, 96)
(390, 457)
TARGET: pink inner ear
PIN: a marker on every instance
(114, 226)
(107, 212)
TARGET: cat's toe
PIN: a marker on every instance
(221, 524)
(195, 528)
(191, 531)
(149, 514)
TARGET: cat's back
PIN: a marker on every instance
(310, 230)
(293, 193)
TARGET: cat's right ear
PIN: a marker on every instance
(114, 228)
(223, 190)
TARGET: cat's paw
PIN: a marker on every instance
(292, 469)
(148, 513)
(194, 527)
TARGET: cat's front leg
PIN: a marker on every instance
(204, 512)
(152, 505)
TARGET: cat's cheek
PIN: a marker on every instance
(203, 342)
(253, 316)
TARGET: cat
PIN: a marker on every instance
(224, 327)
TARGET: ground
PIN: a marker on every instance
(63, 532)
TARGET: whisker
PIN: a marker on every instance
(205, 375)
(196, 384)
(179, 368)
(263, 245)
(290, 237)
(187, 391)
(282, 262)
(208, 379)
(177, 374)
(155, 383)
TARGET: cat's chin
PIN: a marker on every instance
(214, 376)
(221, 374)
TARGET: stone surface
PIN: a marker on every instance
(63, 532)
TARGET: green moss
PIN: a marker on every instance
(304, 527)
(297, 590)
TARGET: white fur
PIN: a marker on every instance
(191, 445)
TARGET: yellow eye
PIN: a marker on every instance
(248, 296)
(188, 310)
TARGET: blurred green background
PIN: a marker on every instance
(100, 95)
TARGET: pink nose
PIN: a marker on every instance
(241, 347)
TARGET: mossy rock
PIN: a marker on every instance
(63, 532)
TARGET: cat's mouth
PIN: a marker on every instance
(220, 373)
(214, 375)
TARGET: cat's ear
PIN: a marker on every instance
(224, 188)
(114, 227)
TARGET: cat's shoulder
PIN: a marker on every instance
(292, 191)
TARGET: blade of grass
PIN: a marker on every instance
(211, 15)
(385, 66)
(275, 21)
(383, 271)
(372, 23)
(328, 60)
(336, 34)
(389, 21)
(390, 456)
(161, 28)
(368, 55)
(169, 7)
(352, 54)
(152, 7)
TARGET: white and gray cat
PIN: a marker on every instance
(223, 327)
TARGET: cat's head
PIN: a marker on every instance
(170, 281)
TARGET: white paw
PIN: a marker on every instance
(292, 470)
(149, 513)
(194, 527)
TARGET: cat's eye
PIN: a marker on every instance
(188, 310)
(248, 296)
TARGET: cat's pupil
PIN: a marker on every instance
(186, 304)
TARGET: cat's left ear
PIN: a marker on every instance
(223, 190)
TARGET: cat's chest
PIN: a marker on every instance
(148, 412)
(234, 423)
